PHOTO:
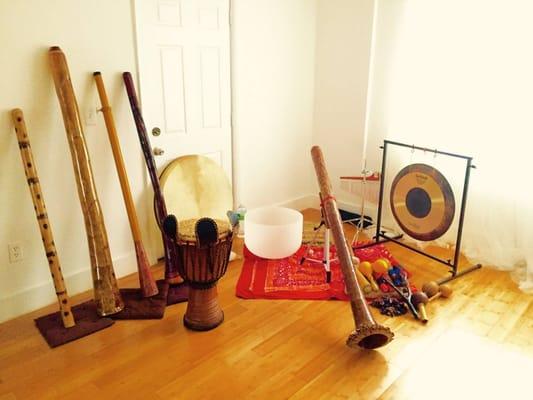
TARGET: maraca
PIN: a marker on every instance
(419, 300)
(363, 282)
(396, 275)
(366, 269)
(381, 266)
(383, 286)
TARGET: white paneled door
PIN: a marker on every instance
(184, 70)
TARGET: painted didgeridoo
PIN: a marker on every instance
(367, 334)
(106, 292)
(146, 280)
(171, 257)
(42, 218)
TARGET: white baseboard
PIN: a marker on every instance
(301, 203)
(313, 201)
(43, 294)
(356, 208)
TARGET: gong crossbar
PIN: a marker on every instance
(452, 265)
(425, 149)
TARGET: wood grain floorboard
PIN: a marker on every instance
(477, 345)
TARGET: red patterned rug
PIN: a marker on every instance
(287, 279)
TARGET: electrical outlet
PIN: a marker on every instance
(90, 118)
(16, 252)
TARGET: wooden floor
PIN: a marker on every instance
(477, 345)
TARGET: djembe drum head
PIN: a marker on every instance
(422, 202)
(187, 229)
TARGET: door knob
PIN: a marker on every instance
(158, 151)
(156, 131)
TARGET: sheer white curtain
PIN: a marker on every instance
(457, 75)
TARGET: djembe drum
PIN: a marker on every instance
(203, 247)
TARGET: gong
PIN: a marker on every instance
(422, 202)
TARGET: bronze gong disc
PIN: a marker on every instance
(422, 202)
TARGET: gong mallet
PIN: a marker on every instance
(433, 290)
(367, 334)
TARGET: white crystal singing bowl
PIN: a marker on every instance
(273, 232)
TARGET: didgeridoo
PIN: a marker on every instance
(171, 272)
(367, 334)
(146, 280)
(42, 218)
(106, 292)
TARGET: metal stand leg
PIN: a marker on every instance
(326, 262)
(326, 258)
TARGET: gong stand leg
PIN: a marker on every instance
(203, 309)
(326, 262)
(457, 254)
(381, 189)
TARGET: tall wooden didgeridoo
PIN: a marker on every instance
(106, 292)
(146, 280)
(171, 257)
(368, 334)
(42, 218)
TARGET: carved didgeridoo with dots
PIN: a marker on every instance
(42, 217)
(160, 208)
(367, 334)
(106, 292)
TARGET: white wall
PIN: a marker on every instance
(95, 35)
(343, 32)
(273, 57)
(276, 64)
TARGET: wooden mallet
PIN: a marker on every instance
(433, 290)
(419, 300)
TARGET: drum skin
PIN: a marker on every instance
(195, 186)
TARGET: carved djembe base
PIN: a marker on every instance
(203, 248)
(203, 310)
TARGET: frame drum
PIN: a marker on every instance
(195, 186)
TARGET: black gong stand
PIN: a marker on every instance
(381, 236)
